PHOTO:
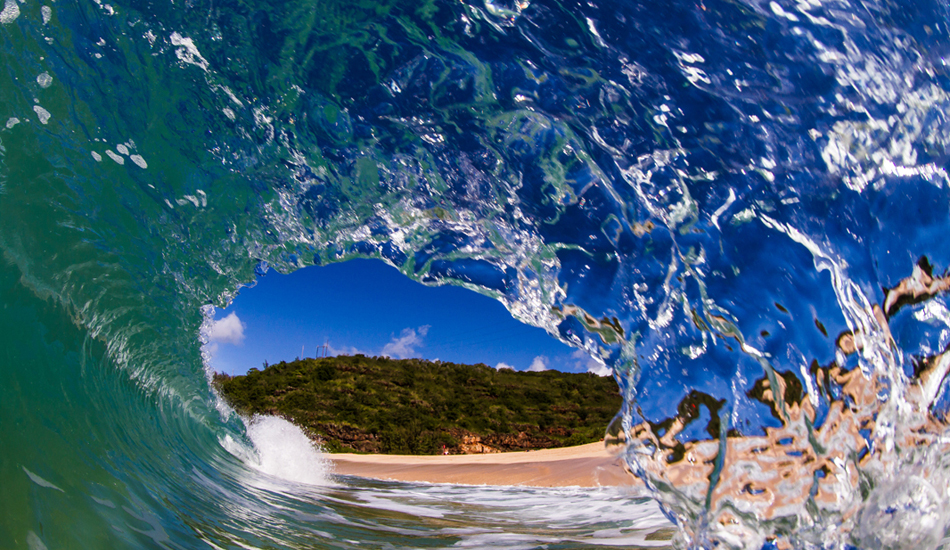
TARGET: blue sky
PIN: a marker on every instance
(368, 307)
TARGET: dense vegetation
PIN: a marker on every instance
(413, 406)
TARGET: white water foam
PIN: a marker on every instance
(284, 451)
(525, 517)
(10, 12)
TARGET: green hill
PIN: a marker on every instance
(414, 406)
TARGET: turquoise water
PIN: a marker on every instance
(95, 459)
(740, 207)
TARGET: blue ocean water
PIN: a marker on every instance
(738, 205)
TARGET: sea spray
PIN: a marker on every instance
(284, 451)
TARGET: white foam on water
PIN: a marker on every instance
(40, 481)
(33, 542)
(10, 12)
(284, 451)
(910, 508)
(42, 113)
(44, 80)
(138, 161)
(115, 157)
(187, 52)
(524, 517)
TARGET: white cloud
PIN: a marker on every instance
(404, 346)
(601, 370)
(538, 364)
(500, 366)
(229, 330)
(582, 361)
(345, 350)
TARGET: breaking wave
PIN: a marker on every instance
(739, 207)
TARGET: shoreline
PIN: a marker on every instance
(587, 465)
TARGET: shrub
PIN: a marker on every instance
(413, 406)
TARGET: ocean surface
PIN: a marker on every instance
(740, 206)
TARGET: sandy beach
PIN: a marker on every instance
(584, 466)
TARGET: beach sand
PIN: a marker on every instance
(584, 466)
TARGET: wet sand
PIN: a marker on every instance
(584, 466)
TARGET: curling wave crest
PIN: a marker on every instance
(739, 207)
